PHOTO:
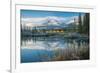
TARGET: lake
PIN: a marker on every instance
(44, 49)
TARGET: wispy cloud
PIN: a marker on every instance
(39, 21)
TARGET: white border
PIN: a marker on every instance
(16, 66)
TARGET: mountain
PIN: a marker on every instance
(50, 21)
(54, 21)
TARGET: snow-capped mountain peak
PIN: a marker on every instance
(48, 21)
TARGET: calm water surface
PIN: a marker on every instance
(42, 49)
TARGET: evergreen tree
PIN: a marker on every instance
(86, 24)
(83, 27)
(80, 24)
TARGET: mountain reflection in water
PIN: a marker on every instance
(42, 49)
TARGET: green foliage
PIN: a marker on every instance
(83, 27)
(80, 24)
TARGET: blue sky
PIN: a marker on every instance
(37, 13)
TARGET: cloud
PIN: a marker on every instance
(33, 45)
(39, 21)
(32, 21)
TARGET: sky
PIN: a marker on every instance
(37, 18)
(37, 13)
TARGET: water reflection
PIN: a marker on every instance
(38, 49)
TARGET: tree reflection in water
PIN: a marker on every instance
(54, 49)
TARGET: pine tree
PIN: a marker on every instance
(80, 24)
(86, 24)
